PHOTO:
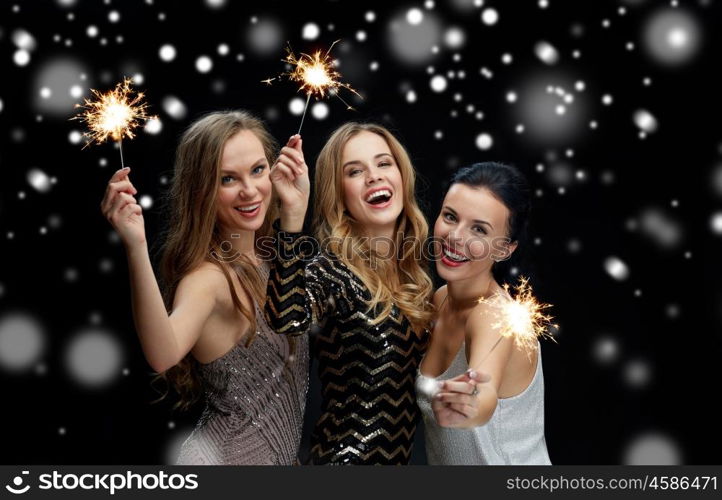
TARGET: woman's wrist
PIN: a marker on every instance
(292, 222)
(136, 249)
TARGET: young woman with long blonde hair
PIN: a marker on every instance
(366, 294)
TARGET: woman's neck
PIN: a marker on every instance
(465, 294)
(381, 239)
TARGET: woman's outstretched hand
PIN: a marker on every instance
(456, 403)
(122, 210)
(290, 180)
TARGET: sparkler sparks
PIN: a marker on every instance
(428, 385)
(520, 317)
(316, 74)
(113, 114)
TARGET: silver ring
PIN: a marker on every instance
(475, 391)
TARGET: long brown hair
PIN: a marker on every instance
(408, 284)
(193, 235)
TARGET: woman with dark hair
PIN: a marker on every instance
(497, 417)
(206, 333)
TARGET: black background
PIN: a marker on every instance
(592, 412)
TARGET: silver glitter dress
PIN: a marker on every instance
(255, 399)
(513, 436)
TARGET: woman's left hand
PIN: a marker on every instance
(457, 401)
(289, 176)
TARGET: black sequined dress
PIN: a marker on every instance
(369, 412)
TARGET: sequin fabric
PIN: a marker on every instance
(255, 398)
(369, 412)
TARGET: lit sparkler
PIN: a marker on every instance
(316, 74)
(520, 317)
(113, 115)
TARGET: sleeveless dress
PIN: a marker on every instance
(255, 399)
(513, 436)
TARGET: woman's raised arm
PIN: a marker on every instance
(165, 340)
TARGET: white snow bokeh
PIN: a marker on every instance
(413, 35)
(60, 83)
(93, 358)
(672, 36)
(22, 342)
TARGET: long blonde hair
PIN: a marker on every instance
(193, 235)
(409, 286)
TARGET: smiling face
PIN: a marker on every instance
(470, 232)
(244, 190)
(372, 184)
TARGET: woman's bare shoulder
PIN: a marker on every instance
(488, 312)
(206, 278)
(205, 272)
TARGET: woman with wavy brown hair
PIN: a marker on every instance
(205, 333)
(366, 294)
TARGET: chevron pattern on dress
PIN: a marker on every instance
(367, 370)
